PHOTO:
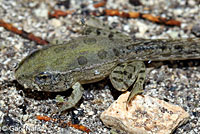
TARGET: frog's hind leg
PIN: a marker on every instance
(138, 85)
(129, 74)
(73, 99)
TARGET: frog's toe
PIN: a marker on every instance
(137, 87)
(63, 106)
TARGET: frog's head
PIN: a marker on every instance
(24, 72)
(23, 77)
(41, 81)
(33, 74)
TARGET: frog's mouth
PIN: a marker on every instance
(24, 83)
(28, 84)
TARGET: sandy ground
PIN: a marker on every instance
(176, 82)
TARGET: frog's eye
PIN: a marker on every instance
(44, 78)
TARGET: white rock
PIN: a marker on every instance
(55, 22)
(91, 113)
(147, 115)
(173, 34)
(191, 2)
(25, 117)
(2, 103)
(42, 11)
(142, 27)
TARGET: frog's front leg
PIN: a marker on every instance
(73, 99)
(129, 74)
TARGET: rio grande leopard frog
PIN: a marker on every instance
(98, 54)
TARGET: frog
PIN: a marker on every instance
(97, 54)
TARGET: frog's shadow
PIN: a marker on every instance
(42, 95)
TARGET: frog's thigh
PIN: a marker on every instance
(124, 75)
(74, 98)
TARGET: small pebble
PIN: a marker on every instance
(32, 16)
(91, 113)
(196, 30)
(42, 11)
(55, 22)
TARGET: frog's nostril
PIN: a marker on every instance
(20, 77)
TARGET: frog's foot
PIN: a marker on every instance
(127, 74)
(94, 27)
(73, 99)
(137, 86)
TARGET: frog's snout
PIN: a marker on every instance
(22, 79)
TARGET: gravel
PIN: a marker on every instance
(177, 82)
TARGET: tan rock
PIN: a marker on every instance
(147, 115)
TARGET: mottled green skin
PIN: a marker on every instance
(94, 56)
(65, 61)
